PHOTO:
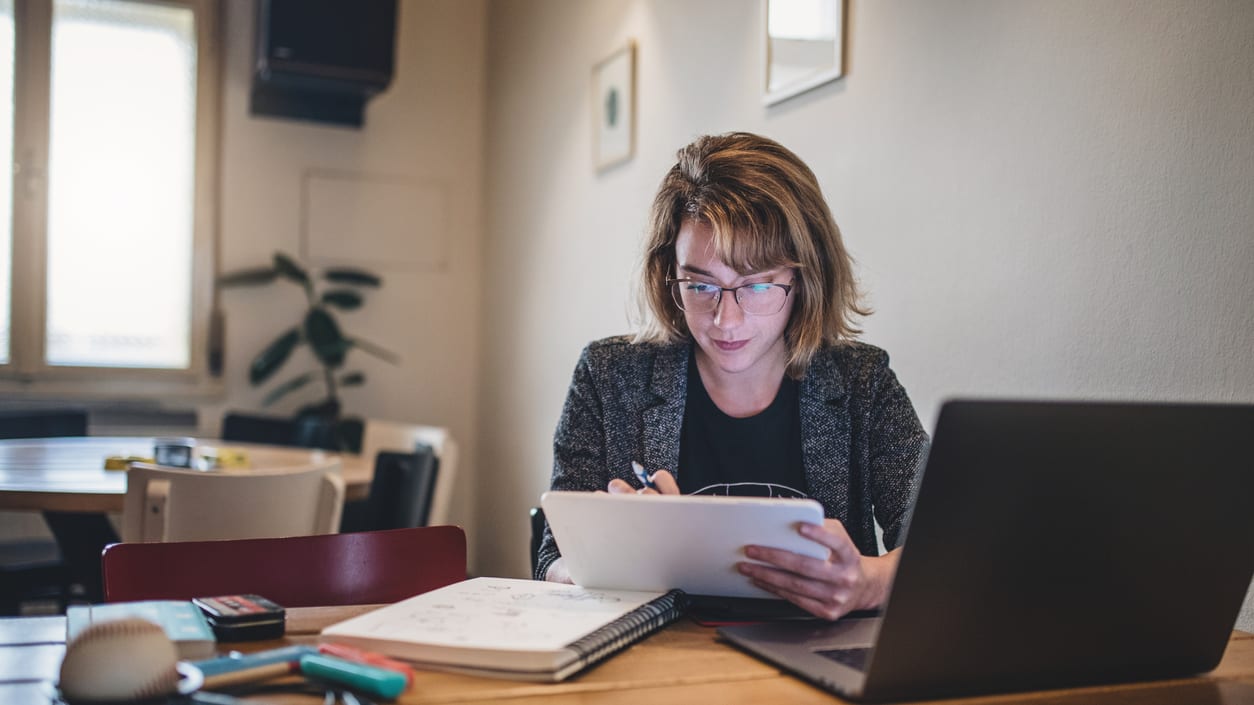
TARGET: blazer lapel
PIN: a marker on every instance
(663, 416)
(825, 434)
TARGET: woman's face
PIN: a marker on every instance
(731, 341)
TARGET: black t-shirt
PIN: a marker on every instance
(757, 456)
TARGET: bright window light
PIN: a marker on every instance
(120, 184)
(6, 175)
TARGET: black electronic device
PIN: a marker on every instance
(1052, 544)
(321, 60)
(243, 617)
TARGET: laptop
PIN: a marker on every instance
(1052, 544)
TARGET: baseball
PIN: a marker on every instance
(123, 659)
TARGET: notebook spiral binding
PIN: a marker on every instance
(630, 628)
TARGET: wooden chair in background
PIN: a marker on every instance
(305, 571)
(414, 490)
(173, 504)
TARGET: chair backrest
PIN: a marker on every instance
(404, 438)
(173, 504)
(402, 489)
(334, 569)
(43, 423)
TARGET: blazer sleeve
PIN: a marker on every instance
(578, 448)
(898, 447)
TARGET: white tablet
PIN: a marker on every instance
(659, 542)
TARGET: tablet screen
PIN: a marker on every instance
(660, 542)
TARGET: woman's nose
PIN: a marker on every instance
(728, 313)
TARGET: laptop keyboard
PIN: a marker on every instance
(853, 658)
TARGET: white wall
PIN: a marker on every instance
(1044, 199)
(426, 128)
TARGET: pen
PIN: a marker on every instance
(644, 478)
(250, 675)
(236, 661)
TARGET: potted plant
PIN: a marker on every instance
(339, 289)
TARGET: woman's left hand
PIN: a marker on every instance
(827, 588)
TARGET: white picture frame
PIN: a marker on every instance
(614, 107)
(803, 46)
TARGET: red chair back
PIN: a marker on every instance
(363, 568)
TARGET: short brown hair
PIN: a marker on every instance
(767, 211)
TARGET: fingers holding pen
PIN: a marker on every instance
(618, 486)
(665, 482)
(660, 482)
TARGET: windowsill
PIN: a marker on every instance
(121, 391)
(124, 417)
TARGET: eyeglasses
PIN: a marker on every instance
(757, 299)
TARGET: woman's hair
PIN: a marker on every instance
(766, 210)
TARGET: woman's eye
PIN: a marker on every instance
(700, 288)
(759, 288)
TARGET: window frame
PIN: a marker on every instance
(27, 373)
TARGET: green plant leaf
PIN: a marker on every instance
(379, 352)
(353, 379)
(343, 299)
(345, 275)
(276, 353)
(323, 334)
(287, 268)
(253, 276)
(283, 389)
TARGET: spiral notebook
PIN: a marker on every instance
(506, 628)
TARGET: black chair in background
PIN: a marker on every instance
(401, 492)
(40, 569)
(302, 432)
(537, 536)
(246, 428)
(31, 569)
(43, 423)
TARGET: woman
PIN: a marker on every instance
(746, 377)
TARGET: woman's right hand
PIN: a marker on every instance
(662, 480)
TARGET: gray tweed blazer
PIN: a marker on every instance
(861, 439)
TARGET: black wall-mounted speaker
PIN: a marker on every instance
(321, 60)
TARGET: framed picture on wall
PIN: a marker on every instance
(614, 107)
(804, 46)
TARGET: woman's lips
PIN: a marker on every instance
(730, 345)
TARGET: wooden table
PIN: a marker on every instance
(685, 663)
(68, 475)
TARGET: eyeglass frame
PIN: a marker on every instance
(735, 290)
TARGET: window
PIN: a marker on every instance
(108, 117)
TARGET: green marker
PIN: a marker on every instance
(368, 679)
